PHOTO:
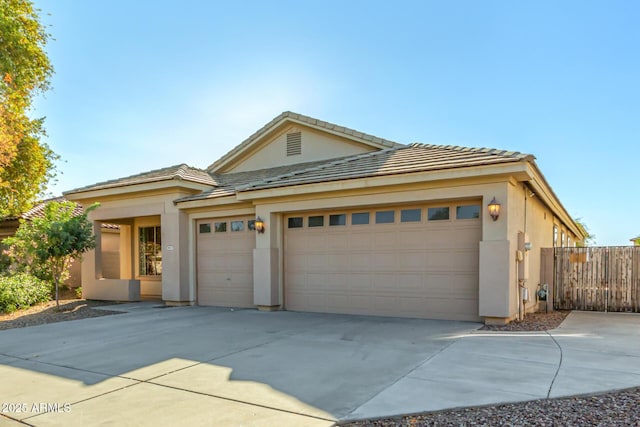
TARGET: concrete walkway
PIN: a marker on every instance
(210, 366)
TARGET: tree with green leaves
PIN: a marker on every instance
(26, 163)
(46, 246)
(590, 239)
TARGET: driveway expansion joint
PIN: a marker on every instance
(559, 364)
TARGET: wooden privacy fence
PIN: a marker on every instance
(597, 279)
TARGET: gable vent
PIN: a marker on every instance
(294, 143)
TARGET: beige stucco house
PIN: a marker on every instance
(311, 216)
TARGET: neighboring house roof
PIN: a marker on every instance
(180, 172)
(379, 143)
(38, 210)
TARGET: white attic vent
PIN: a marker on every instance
(294, 143)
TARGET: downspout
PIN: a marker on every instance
(523, 283)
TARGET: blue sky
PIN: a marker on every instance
(141, 85)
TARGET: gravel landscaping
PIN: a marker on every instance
(71, 308)
(532, 322)
(621, 408)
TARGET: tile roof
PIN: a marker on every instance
(38, 210)
(349, 133)
(180, 172)
(398, 160)
(226, 184)
(405, 159)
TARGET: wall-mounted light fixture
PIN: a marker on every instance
(494, 209)
(259, 225)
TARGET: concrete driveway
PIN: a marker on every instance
(210, 366)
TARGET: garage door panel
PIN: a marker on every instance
(317, 281)
(438, 260)
(412, 260)
(338, 260)
(360, 239)
(337, 241)
(385, 240)
(466, 260)
(335, 282)
(360, 261)
(426, 269)
(412, 240)
(359, 283)
(411, 283)
(383, 261)
(358, 303)
(225, 265)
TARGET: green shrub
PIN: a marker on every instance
(79, 292)
(21, 291)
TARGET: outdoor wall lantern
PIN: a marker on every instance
(494, 209)
(259, 225)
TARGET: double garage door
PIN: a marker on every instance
(408, 262)
(417, 261)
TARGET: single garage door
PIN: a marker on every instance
(225, 261)
(417, 261)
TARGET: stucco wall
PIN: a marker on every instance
(315, 146)
(110, 254)
(156, 209)
(531, 216)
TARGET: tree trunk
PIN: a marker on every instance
(57, 296)
(56, 279)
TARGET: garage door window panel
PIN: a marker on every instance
(438, 214)
(337, 219)
(237, 226)
(360, 218)
(411, 215)
(468, 212)
(220, 227)
(316, 221)
(295, 222)
(205, 228)
(385, 217)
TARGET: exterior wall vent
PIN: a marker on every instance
(294, 144)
